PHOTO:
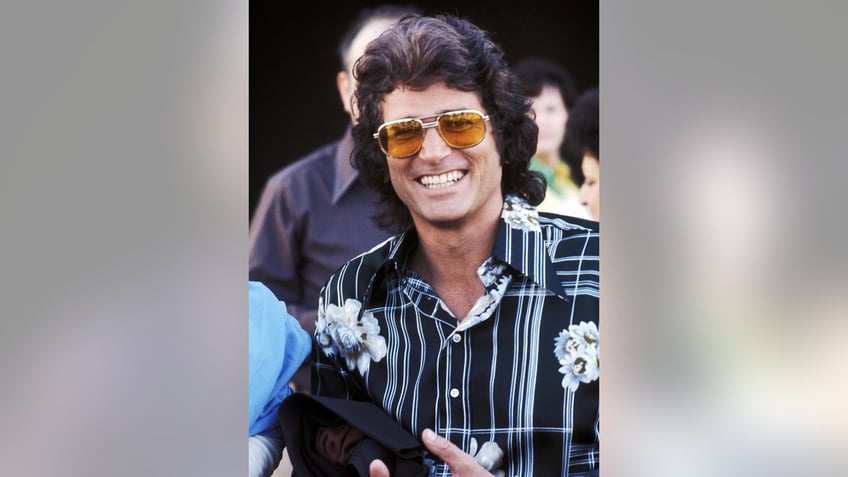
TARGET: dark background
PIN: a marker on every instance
(294, 104)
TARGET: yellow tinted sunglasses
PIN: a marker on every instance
(459, 129)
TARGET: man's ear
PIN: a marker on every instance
(343, 83)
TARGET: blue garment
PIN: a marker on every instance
(277, 346)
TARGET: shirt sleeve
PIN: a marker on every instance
(277, 347)
(331, 378)
(330, 375)
(264, 454)
(274, 248)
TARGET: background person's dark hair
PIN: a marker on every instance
(421, 51)
(365, 16)
(535, 73)
(584, 123)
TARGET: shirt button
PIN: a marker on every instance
(457, 338)
(454, 393)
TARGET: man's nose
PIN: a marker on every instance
(433, 147)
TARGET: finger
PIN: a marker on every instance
(378, 469)
(438, 444)
(460, 463)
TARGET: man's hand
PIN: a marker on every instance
(460, 463)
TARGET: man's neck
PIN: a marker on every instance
(448, 259)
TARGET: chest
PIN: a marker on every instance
(459, 298)
(501, 373)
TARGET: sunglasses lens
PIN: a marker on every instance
(401, 139)
(462, 129)
(459, 129)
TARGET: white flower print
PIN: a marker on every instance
(490, 271)
(496, 279)
(577, 350)
(490, 456)
(341, 330)
(519, 214)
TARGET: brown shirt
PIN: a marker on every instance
(312, 216)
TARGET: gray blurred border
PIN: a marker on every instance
(123, 191)
(724, 278)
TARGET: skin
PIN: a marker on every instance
(590, 190)
(551, 117)
(344, 79)
(456, 219)
(460, 463)
(465, 204)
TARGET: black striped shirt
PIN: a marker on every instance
(494, 376)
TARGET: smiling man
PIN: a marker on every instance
(476, 326)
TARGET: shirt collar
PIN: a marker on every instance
(346, 175)
(520, 243)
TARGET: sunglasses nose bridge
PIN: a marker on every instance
(430, 125)
(431, 148)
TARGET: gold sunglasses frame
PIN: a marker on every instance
(429, 125)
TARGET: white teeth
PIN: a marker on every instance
(441, 180)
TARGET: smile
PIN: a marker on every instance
(441, 180)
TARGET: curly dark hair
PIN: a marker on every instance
(420, 51)
(584, 123)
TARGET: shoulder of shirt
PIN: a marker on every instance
(567, 237)
(567, 223)
(319, 161)
(354, 277)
